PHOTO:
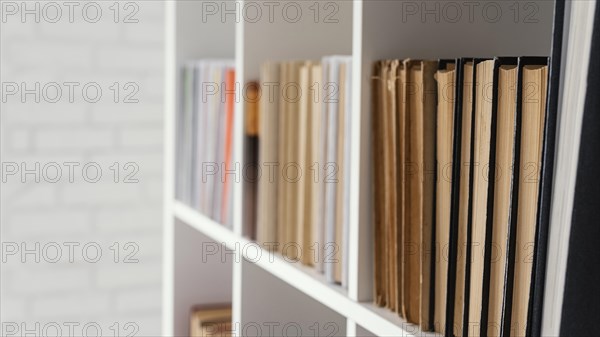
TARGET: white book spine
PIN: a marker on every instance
(331, 175)
(347, 152)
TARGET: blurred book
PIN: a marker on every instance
(251, 172)
(211, 321)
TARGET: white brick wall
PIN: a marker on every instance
(106, 132)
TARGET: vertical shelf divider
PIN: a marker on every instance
(238, 219)
(355, 239)
(168, 174)
(360, 287)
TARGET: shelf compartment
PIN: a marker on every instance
(272, 307)
(190, 271)
(380, 321)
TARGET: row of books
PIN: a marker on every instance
(304, 148)
(204, 138)
(457, 151)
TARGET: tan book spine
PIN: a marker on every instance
(385, 162)
(407, 245)
(445, 141)
(420, 176)
(427, 164)
(282, 193)
(268, 214)
(412, 266)
(400, 184)
(292, 169)
(463, 212)
(316, 179)
(389, 163)
(505, 142)
(304, 188)
(482, 129)
(535, 82)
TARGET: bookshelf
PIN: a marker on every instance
(273, 289)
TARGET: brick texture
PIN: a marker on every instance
(37, 209)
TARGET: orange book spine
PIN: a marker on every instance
(229, 107)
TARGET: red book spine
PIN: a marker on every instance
(229, 111)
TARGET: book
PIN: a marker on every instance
(215, 142)
(317, 140)
(384, 114)
(211, 320)
(482, 163)
(290, 166)
(542, 274)
(380, 262)
(268, 185)
(446, 83)
(534, 88)
(186, 122)
(412, 231)
(346, 168)
(252, 172)
(390, 179)
(428, 112)
(201, 194)
(461, 253)
(304, 205)
(420, 177)
(228, 164)
(580, 308)
(331, 101)
(340, 209)
(401, 155)
(505, 151)
(283, 195)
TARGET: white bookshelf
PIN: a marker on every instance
(275, 290)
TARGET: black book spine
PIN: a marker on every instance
(581, 308)
(540, 254)
(251, 176)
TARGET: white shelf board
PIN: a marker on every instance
(204, 224)
(380, 321)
